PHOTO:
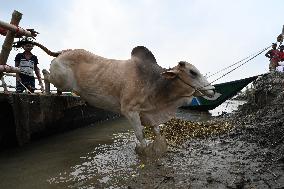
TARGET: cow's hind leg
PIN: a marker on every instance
(46, 76)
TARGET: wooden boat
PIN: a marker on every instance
(227, 90)
(25, 117)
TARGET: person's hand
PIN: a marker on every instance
(33, 32)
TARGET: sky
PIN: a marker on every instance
(210, 34)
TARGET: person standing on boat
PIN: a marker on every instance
(281, 59)
(273, 55)
(27, 62)
(281, 53)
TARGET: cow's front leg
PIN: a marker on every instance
(157, 130)
(135, 121)
(160, 143)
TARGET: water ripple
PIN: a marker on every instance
(107, 166)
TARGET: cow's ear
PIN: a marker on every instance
(143, 54)
(171, 74)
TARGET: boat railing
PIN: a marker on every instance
(6, 87)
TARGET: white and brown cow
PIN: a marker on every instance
(138, 88)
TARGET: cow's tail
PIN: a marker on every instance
(49, 52)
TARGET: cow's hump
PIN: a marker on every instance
(147, 68)
(144, 54)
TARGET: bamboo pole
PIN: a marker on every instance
(7, 86)
(14, 75)
(17, 30)
(9, 74)
(4, 85)
(7, 45)
(281, 36)
(8, 42)
(9, 69)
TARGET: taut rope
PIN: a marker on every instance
(260, 52)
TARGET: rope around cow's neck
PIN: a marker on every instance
(198, 89)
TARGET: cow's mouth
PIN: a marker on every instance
(208, 91)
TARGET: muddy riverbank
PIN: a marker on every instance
(248, 154)
(239, 150)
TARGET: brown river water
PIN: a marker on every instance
(100, 155)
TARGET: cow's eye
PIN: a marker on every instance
(193, 73)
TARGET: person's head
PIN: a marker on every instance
(28, 47)
(281, 47)
(274, 45)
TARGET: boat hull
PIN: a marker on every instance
(227, 91)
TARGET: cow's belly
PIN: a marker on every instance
(106, 102)
(160, 114)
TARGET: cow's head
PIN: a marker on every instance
(190, 76)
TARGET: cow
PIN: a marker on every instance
(138, 88)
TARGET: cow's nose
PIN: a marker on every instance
(209, 88)
(211, 92)
(214, 91)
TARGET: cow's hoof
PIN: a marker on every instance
(140, 150)
(159, 146)
(154, 150)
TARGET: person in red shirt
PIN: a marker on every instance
(281, 53)
(273, 55)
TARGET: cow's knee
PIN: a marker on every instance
(139, 132)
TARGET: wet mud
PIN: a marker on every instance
(217, 162)
(241, 150)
